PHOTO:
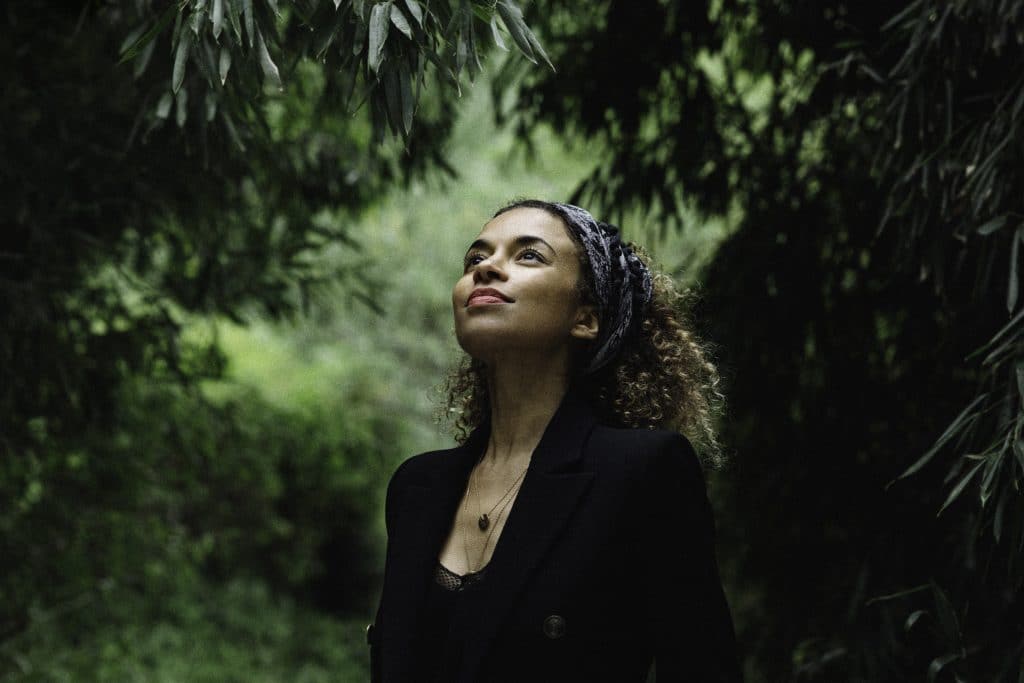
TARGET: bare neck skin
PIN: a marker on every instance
(525, 391)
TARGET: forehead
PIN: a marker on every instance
(529, 221)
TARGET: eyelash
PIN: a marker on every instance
(466, 263)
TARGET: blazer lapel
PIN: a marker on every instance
(549, 493)
(546, 499)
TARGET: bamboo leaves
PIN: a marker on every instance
(386, 46)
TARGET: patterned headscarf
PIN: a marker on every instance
(622, 281)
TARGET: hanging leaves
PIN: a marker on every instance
(214, 36)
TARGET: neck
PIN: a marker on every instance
(524, 394)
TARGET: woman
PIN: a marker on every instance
(569, 536)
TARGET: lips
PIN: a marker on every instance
(487, 295)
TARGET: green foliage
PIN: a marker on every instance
(205, 632)
(226, 52)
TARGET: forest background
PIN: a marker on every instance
(230, 232)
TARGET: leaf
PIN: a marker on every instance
(939, 663)
(163, 107)
(131, 39)
(912, 619)
(181, 110)
(538, 49)
(224, 64)
(143, 59)
(946, 613)
(946, 436)
(408, 103)
(196, 18)
(991, 226)
(211, 105)
(961, 485)
(1019, 367)
(250, 20)
(217, 18)
(992, 467)
(496, 33)
(400, 22)
(513, 18)
(270, 72)
(147, 37)
(393, 98)
(415, 10)
(180, 59)
(997, 518)
(379, 22)
(1013, 286)
(235, 17)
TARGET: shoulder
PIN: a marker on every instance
(413, 468)
(644, 458)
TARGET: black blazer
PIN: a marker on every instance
(606, 562)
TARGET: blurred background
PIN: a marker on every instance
(230, 232)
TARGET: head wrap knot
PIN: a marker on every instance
(621, 280)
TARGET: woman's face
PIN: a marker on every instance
(526, 257)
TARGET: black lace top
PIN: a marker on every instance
(442, 641)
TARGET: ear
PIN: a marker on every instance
(586, 324)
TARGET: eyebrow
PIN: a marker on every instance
(519, 241)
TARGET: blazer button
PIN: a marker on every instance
(554, 626)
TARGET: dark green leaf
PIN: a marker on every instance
(197, 16)
(1013, 285)
(951, 430)
(181, 110)
(513, 18)
(408, 103)
(538, 49)
(217, 18)
(393, 98)
(270, 72)
(939, 663)
(991, 226)
(496, 33)
(946, 614)
(961, 485)
(912, 619)
(180, 59)
(400, 22)
(250, 21)
(380, 20)
(415, 10)
(142, 60)
(235, 17)
(224, 64)
(163, 107)
(147, 38)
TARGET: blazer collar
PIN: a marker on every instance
(558, 449)
(547, 497)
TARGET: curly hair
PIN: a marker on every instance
(662, 377)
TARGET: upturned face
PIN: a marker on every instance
(518, 288)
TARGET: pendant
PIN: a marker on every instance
(483, 522)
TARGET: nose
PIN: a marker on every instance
(488, 269)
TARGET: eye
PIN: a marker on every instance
(470, 260)
(534, 252)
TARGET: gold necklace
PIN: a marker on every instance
(484, 521)
(465, 542)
